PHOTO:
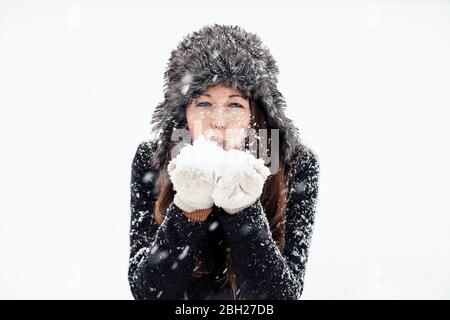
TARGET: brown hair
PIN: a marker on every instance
(273, 200)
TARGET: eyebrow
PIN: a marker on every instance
(233, 95)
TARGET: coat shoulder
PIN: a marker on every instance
(144, 155)
(305, 172)
(308, 160)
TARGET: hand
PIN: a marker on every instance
(240, 180)
(192, 174)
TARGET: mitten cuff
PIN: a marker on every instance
(199, 215)
(188, 207)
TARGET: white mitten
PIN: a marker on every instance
(240, 180)
(192, 174)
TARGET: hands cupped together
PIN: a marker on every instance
(204, 174)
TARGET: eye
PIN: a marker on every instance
(203, 104)
(236, 105)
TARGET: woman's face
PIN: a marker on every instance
(222, 114)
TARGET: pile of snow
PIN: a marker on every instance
(211, 156)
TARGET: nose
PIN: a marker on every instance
(218, 119)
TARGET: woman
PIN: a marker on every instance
(221, 227)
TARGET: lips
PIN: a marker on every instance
(220, 142)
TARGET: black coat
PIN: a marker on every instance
(162, 257)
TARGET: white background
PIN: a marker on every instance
(366, 82)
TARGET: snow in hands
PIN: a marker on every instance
(204, 173)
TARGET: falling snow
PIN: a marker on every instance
(213, 226)
(184, 253)
(186, 82)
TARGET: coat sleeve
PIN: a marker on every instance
(162, 257)
(263, 271)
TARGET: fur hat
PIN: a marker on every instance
(228, 55)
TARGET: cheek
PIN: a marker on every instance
(241, 121)
(197, 121)
(237, 130)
